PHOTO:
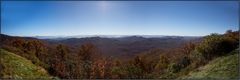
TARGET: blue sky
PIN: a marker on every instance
(51, 18)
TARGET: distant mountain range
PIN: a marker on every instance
(116, 45)
(108, 36)
(125, 45)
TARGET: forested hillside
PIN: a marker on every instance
(17, 67)
(126, 46)
(144, 58)
(225, 67)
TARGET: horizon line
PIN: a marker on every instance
(103, 35)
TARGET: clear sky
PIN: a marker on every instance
(51, 18)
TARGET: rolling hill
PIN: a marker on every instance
(17, 67)
(126, 46)
(225, 67)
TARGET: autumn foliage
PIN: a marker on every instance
(86, 62)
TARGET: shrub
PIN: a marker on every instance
(162, 64)
(215, 45)
(173, 68)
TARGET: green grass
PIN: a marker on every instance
(17, 67)
(225, 67)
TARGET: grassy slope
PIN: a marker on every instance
(225, 67)
(15, 66)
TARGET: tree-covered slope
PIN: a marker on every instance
(225, 67)
(17, 67)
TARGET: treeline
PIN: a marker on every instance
(86, 61)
